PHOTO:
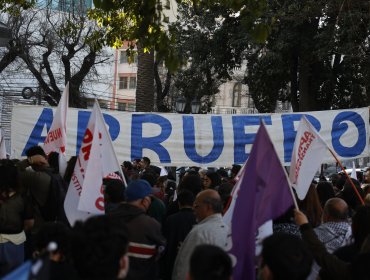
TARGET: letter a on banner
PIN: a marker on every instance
(56, 140)
(309, 151)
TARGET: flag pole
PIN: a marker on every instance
(349, 179)
(293, 196)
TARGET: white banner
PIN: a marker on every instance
(203, 140)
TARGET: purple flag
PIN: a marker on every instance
(264, 194)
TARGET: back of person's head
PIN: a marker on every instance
(286, 257)
(114, 190)
(146, 160)
(335, 210)
(149, 176)
(224, 190)
(361, 224)
(213, 199)
(215, 178)
(185, 198)
(209, 262)
(99, 248)
(325, 191)
(192, 183)
(57, 233)
(35, 150)
(8, 176)
(127, 165)
(235, 169)
(53, 160)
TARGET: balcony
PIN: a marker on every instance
(233, 110)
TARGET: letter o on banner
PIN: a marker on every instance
(340, 127)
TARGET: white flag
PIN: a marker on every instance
(56, 140)
(308, 152)
(2, 145)
(354, 173)
(96, 160)
(102, 163)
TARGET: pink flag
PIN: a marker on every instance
(96, 160)
(308, 152)
(56, 140)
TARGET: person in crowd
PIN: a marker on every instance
(209, 262)
(53, 242)
(210, 230)
(202, 172)
(114, 193)
(157, 209)
(334, 267)
(335, 231)
(311, 206)
(145, 166)
(349, 195)
(223, 175)
(100, 249)
(144, 232)
(190, 182)
(284, 256)
(175, 229)
(360, 230)
(16, 216)
(224, 191)
(285, 224)
(338, 181)
(211, 180)
(325, 191)
(367, 199)
(128, 170)
(70, 169)
(233, 172)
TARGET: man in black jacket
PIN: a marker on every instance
(144, 232)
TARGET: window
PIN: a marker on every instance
(123, 82)
(123, 57)
(132, 82)
(131, 107)
(122, 106)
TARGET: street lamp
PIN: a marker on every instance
(180, 104)
(195, 106)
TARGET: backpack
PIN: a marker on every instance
(53, 209)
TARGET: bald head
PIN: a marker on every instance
(335, 210)
(207, 203)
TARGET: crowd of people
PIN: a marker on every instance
(163, 227)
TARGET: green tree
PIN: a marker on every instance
(316, 56)
(57, 48)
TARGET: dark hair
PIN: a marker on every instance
(53, 160)
(70, 169)
(149, 176)
(35, 150)
(114, 190)
(8, 176)
(361, 224)
(127, 164)
(209, 262)
(146, 160)
(224, 190)
(97, 247)
(54, 232)
(215, 179)
(287, 257)
(185, 198)
(222, 172)
(191, 182)
(325, 191)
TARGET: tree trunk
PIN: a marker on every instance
(145, 81)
